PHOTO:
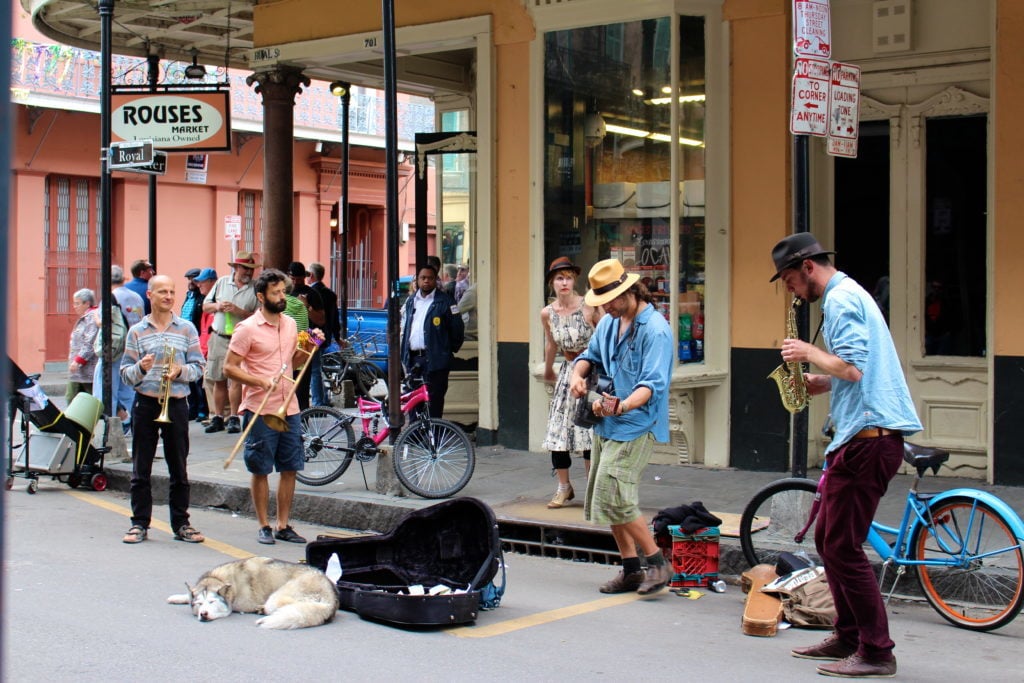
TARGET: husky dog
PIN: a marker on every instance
(291, 595)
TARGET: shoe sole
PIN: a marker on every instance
(818, 658)
(836, 674)
(652, 590)
(266, 541)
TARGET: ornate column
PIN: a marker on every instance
(278, 88)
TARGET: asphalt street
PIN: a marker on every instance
(82, 606)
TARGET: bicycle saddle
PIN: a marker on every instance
(923, 457)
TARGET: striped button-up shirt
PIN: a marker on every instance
(144, 338)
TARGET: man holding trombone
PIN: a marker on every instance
(264, 348)
(161, 357)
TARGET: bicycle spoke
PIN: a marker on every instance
(433, 458)
(978, 582)
(327, 445)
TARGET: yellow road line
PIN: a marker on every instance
(92, 499)
(510, 625)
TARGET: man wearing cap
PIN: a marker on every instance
(331, 329)
(232, 299)
(310, 298)
(633, 346)
(872, 411)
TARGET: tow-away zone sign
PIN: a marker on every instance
(809, 114)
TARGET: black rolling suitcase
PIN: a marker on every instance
(453, 545)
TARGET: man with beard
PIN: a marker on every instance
(232, 300)
(632, 344)
(264, 348)
(872, 411)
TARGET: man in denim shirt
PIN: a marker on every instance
(872, 410)
(632, 345)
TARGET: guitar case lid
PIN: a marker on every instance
(453, 544)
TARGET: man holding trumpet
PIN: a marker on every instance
(161, 357)
(264, 348)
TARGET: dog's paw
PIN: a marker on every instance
(179, 599)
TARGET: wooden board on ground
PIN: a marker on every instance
(731, 524)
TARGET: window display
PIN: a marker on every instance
(610, 191)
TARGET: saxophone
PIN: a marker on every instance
(790, 376)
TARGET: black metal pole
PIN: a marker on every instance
(106, 11)
(802, 223)
(154, 78)
(5, 186)
(346, 99)
(391, 203)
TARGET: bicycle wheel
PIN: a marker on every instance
(985, 589)
(772, 519)
(327, 445)
(434, 458)
(364, 374)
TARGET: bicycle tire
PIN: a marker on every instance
(327, 445)
(772, 519)
(985, 592)
(433, 458)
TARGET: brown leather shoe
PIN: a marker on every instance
(829, 649)
(657, 578)
(624, 583)
(856, 666)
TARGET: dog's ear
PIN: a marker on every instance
(223, 589)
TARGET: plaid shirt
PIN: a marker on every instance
(144, 338)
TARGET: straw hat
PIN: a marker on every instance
(608, 279)
(245, 258)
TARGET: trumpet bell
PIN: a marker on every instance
(277, 421)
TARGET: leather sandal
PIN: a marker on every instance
(136, 534)
(561, 498)
(189, 535)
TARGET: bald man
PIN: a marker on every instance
(161, 349)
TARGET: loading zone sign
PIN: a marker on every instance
(843, 109)
(809, 114)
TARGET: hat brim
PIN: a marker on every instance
(574, 269)
(592, 299)
(797, 261)
(247, 265)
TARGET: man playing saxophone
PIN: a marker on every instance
(263, 350)
(161, 357)
(872, 410)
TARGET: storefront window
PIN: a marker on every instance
(612, 157)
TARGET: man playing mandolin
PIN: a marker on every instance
(264, 348)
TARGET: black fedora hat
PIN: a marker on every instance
(792, 250)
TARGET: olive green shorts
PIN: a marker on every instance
(613, 490)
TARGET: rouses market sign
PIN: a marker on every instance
(194, 122)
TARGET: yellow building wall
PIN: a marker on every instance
(760, 61)
(1008, 336)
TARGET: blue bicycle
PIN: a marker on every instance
(965, 545)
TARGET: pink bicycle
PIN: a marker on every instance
(433, 458)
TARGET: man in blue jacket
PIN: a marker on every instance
(432, 333)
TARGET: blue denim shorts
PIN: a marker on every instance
(267, 449)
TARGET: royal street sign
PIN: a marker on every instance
(130, 154)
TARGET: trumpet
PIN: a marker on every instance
(165, 384)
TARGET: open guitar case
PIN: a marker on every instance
(453, 544)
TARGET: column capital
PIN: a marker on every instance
(279, 84)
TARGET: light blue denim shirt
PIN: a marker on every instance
(855, 330)
(642, 358)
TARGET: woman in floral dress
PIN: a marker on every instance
(568, 324)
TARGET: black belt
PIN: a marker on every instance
(222, 336)
(420, 352)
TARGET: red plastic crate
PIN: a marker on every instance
(694, 557)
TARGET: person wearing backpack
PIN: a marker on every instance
(126, 309)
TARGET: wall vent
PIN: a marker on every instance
(890, 25)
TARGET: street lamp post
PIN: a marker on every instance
(344, 91)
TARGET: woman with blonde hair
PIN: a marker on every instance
(568, 323)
